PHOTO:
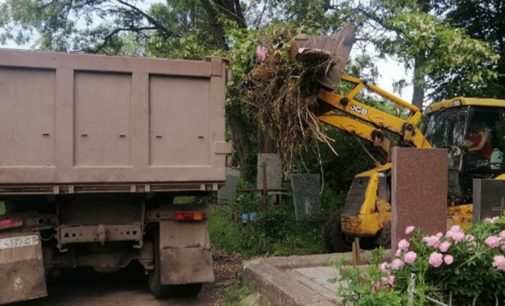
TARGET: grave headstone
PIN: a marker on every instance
(306, 197)
(419, 191)
(228, 191)
(488, 198)
(271, 162)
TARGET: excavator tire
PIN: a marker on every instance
(333, 237)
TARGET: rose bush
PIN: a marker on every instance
(457, 267)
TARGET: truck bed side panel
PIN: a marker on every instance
(86, 119)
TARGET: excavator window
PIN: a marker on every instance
(485, 141)
(447, 128)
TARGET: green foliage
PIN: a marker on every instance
(446, 60)
(481, 20)
(455, 63)
(234, 294)
(358, 285)
(338, 170)
(275, 231)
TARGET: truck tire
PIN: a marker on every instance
(333, 237)
(160, 291)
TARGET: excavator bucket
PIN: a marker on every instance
(336, 48)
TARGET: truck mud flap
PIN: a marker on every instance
(22, 275)
(185, 255)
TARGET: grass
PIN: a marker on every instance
(234, 294)
(275, 232)
(240, 295)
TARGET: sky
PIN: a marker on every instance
(389, 69)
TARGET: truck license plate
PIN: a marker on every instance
(18, 242)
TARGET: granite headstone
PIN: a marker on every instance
(488, 198)
(228, 191)
(419, 191)
(271, 162)
(306, 197)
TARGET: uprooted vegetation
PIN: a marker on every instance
(282, 91)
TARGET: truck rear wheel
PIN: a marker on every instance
(334, 238)
(163, 291)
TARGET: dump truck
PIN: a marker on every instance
(108, 161)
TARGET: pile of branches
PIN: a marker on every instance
(282, 90)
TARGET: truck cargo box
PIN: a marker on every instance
(88, 123)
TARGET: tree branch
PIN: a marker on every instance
(149, 18)
(110, 36)
(237, 16)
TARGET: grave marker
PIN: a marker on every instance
(488, 198)
(306, 197)
(419, 191)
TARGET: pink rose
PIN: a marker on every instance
(499, 262)
(458, 236)
(448, 259)
(444, 246)
(455, 228)
(261, 53)
(436, 259)
(502, 234)
(403, 245)
(432, 241)
(378, 285)
(492, 241)
(397, 264)
(410, 257)
(455, 233)
(409, 229)
(384, 267)
(389, 280)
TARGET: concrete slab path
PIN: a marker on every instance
(298, 280)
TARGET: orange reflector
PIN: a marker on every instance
(10, 223)
(188, 216)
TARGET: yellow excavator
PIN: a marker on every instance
(471, 129)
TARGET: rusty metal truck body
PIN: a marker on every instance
(96, 153)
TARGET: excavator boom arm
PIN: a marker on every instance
(368, 122)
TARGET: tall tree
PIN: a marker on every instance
(446, 60)
(481, 20)
(418, 80)
(100, 25)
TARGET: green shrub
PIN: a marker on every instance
(234, 294)
(466, 268)
(275, 231)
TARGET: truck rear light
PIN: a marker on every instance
(10, 223)
(190, 216)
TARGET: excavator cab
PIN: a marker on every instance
(473, 131)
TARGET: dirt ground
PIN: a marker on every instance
(129, 287)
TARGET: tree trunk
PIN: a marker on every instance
(418, 82)
(419, 60)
